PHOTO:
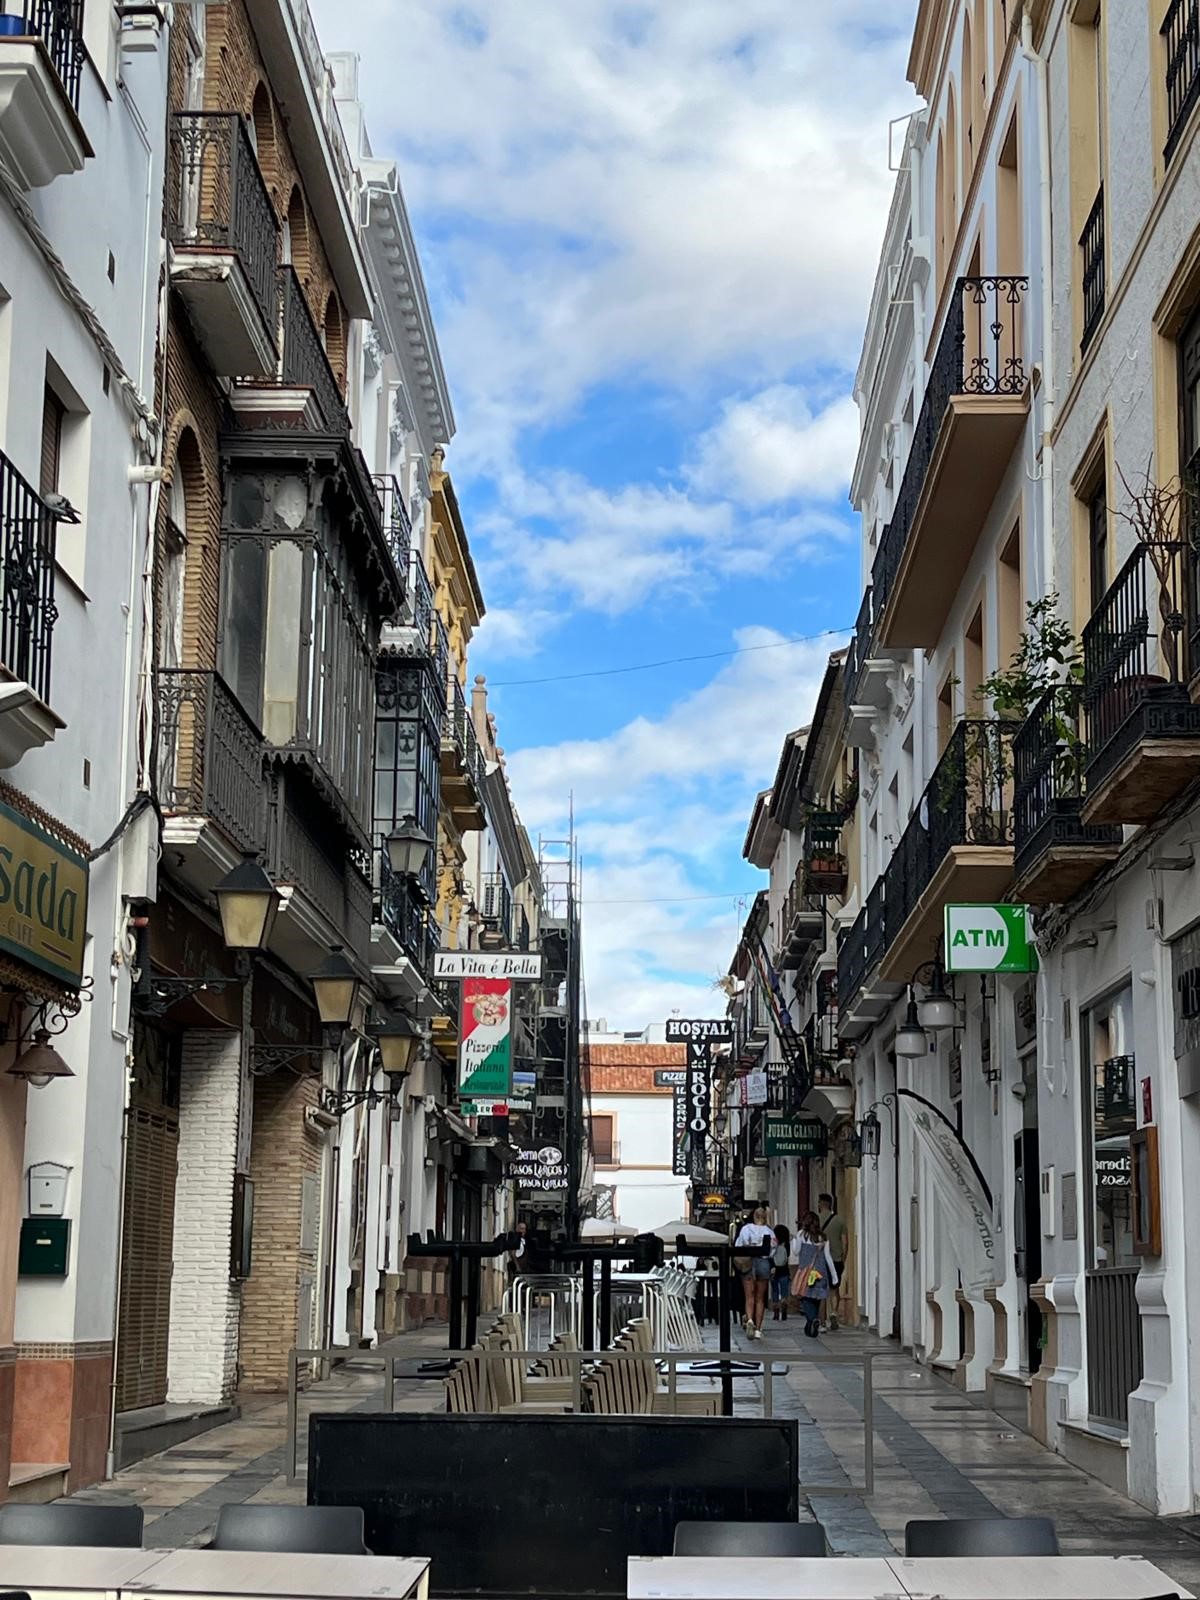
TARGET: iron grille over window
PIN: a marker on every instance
(27, 608)
(1091, 246)
(1181, 32)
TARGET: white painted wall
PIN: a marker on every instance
(647, 1192)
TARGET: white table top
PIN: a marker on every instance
(46, 1570)
(299, 1577)
(896, 1578)
(1033, 1578)
(760, 1578)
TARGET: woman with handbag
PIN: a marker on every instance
(814, 1273)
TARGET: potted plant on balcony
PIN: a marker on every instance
(824, 865)
(1160, 514)
(1047, 660)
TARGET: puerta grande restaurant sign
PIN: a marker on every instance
(995, 938)
(794, 1136)
(43, 898)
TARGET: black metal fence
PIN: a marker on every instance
(1091, 246)
(397, 525)
(403, 913)
(220, 202)
(1181, 34)
(981, 352)
(1135, 646)
(28, 610)
(496, 906)
(59, 25)
(859, 649)
(460, 730)
(305, 364)
(1114, 1343)
(1049, 756)
(209, 755)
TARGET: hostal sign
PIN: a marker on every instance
(43, 898)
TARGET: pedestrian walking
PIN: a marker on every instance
(813, 1271)
(518, 1259)
(838, 1235)
(781, 1272)
(753, 1247)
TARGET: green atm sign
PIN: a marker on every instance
(989, 939)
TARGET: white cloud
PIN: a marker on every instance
(774, 446)
(514, 633)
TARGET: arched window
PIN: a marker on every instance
(334, 337)
(297, 235)
(262, 132)
(985, 80)
(951, 198)
(939, 201)
(970, 129)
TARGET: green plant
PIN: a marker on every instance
(1047, 657)
(1160, 515)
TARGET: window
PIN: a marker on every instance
(1109, 1084)
(1087, 92)
(63, 466)
(409, 702)
(1098, 543)
(604, 1148)
(53, 416)
(1189, 411)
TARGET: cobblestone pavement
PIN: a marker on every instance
(938, 1452)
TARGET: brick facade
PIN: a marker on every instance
(630, 1068)
(283, 1152)
(205, 1303)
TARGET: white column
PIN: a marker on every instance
(205, 1305)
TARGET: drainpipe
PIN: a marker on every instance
(1041, 69)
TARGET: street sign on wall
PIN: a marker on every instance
(794, 1136)
(989, 938)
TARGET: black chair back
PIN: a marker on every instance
(302, 1530)
(749, 1539)
(76, 1522)
(982, 1536)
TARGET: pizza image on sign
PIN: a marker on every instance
(485, 1039)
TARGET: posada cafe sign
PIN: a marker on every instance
(43, 898)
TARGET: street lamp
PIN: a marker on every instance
(408, 848)
(248, 902)
(911, 1038)
(41, 1063)
(868, 1135)
(337, 986)
(937, 1009)
(397, 1036)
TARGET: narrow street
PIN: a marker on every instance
(938, 1452)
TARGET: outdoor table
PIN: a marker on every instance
(897, 1578)
(52, 1572)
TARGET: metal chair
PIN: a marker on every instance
(749, 1539)
(299, 1530)
(75, 1522)
(982, 1536)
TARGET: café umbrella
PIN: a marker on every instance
(605, 1228)
(692, 1234)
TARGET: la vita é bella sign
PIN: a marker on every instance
(43, 898)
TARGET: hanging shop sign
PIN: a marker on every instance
(43, 898)
(487, 1108)
(699, 1105)
(539, 1171)
(513, 966)
(485, 1039)
(670, 1077)
(680, 1165)
(794, 1136)
(709, 1030)
(713, 1199)
(750, 1089)
(989, 938)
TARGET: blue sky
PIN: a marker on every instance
(649, 233)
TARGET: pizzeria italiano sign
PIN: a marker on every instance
(485, 1039)
(43, 898)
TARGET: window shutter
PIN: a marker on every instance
(53, 412)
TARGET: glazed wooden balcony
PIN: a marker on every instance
(974, 412)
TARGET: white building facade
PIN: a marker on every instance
(633, 1131)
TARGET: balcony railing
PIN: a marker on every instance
(1091, 248)
(824, 863)
(980, 353)
(305, 364)
(522, 936)
(59, 25)
(1181, 33)
(1048, 764)
(397, 526)
(496, 907)
(859, 648)
(299, 854)
(210, 755)
(220, 202)
(401, 911)
(460, 731)
(1114, 1344)
(321, 81)
(27, 607)
(1138, 632)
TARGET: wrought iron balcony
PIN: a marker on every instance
(801, 923)
(824, 864)
(496, 909)
(1091, 248)
(1056, 851)
(463, 764)
(59, 25)
(1142, 730)
(27, 607)
(404, 914)
(397, 525)
(225, 238)
(209, 759)
(1181, 35)
(973, 411)
(957, 845)
(304, 362)
(859, 648)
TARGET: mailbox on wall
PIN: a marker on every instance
(46, 1184)
(45, 1247)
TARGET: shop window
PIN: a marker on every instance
(1109, 1088)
